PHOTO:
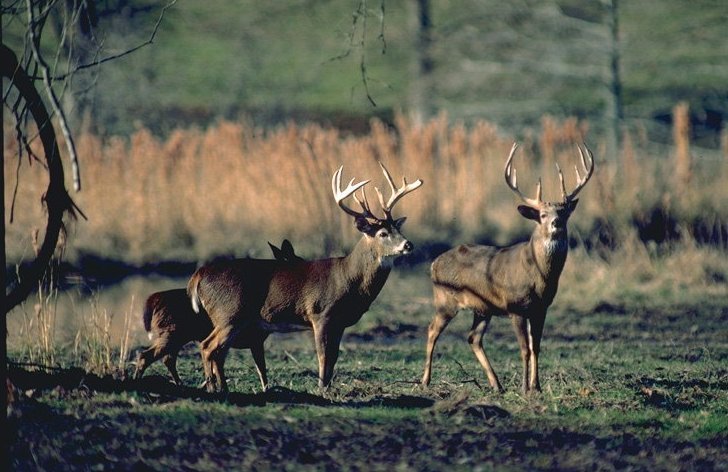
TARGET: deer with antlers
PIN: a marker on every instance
(519, 281)
(247, 299)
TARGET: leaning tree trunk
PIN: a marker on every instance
(56, 197)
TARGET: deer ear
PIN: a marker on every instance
(529, 212)
(365, 227)
(399, 222)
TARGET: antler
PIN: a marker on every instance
(580, 181)
(512, 181)
(340, 195)
(397, 193)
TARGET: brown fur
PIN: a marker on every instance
(169, 318)
(519, 281)
(247, 299)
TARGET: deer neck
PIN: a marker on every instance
(364, 268)
(549, 252)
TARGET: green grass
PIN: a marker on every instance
(640, 385)
(507, 63)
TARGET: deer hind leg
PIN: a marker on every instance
(214, 350)
(445, 311)
(520, 326)
(259, 358)
(170, 360)
(535, 331)
(475, 339)
(155, 352)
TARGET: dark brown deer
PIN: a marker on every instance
(247, 299)
(171, 322)
(519, 281)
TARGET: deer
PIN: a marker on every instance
(170, 322)
(519, 281)
(247, 299)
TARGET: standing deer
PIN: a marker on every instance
(171, 322)
(519, 281)
(247, 299)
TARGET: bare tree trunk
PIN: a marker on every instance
(615, 112)
(421, 88)
(56, 197)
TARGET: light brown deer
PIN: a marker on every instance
(519, 281)
(247, 299)
(171, 322)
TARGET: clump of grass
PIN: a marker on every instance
(95, 345)
(39, 325)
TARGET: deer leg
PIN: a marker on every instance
(170, 360)
(150, 356)
(143, 360)
(259, 358)
(535, 331)
(475, 339)
(332, 354)
(214, 349)
(520, 326)
(443, 315)
(327, 349)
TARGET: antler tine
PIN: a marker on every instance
(588, 169)
(351, 188)
(512, 180)
(397, 193)
(364, 204)
(561, 180)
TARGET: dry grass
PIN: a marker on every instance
(232, 187)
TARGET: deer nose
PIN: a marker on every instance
(408, 246)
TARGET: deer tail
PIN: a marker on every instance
(192, 293)
(147, 317)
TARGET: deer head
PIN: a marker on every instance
(383, 235)
(551, 216)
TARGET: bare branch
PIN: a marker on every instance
(103, 60)
(55, 104)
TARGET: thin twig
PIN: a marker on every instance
(98, 62)
(381, 30)
(290, 356)
(471, 380)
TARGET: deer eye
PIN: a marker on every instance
(383, 234)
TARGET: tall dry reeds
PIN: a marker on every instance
(232, 187)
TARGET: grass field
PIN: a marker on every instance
(633, 371)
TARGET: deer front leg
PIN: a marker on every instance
(475, 339)
(535, 331)
(327, 340)
(256, 349)
(520, 326)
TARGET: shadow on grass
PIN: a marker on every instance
(159, 389)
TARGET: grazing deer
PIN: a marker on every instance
(519, 280)
(171, 322)
(247, 299)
